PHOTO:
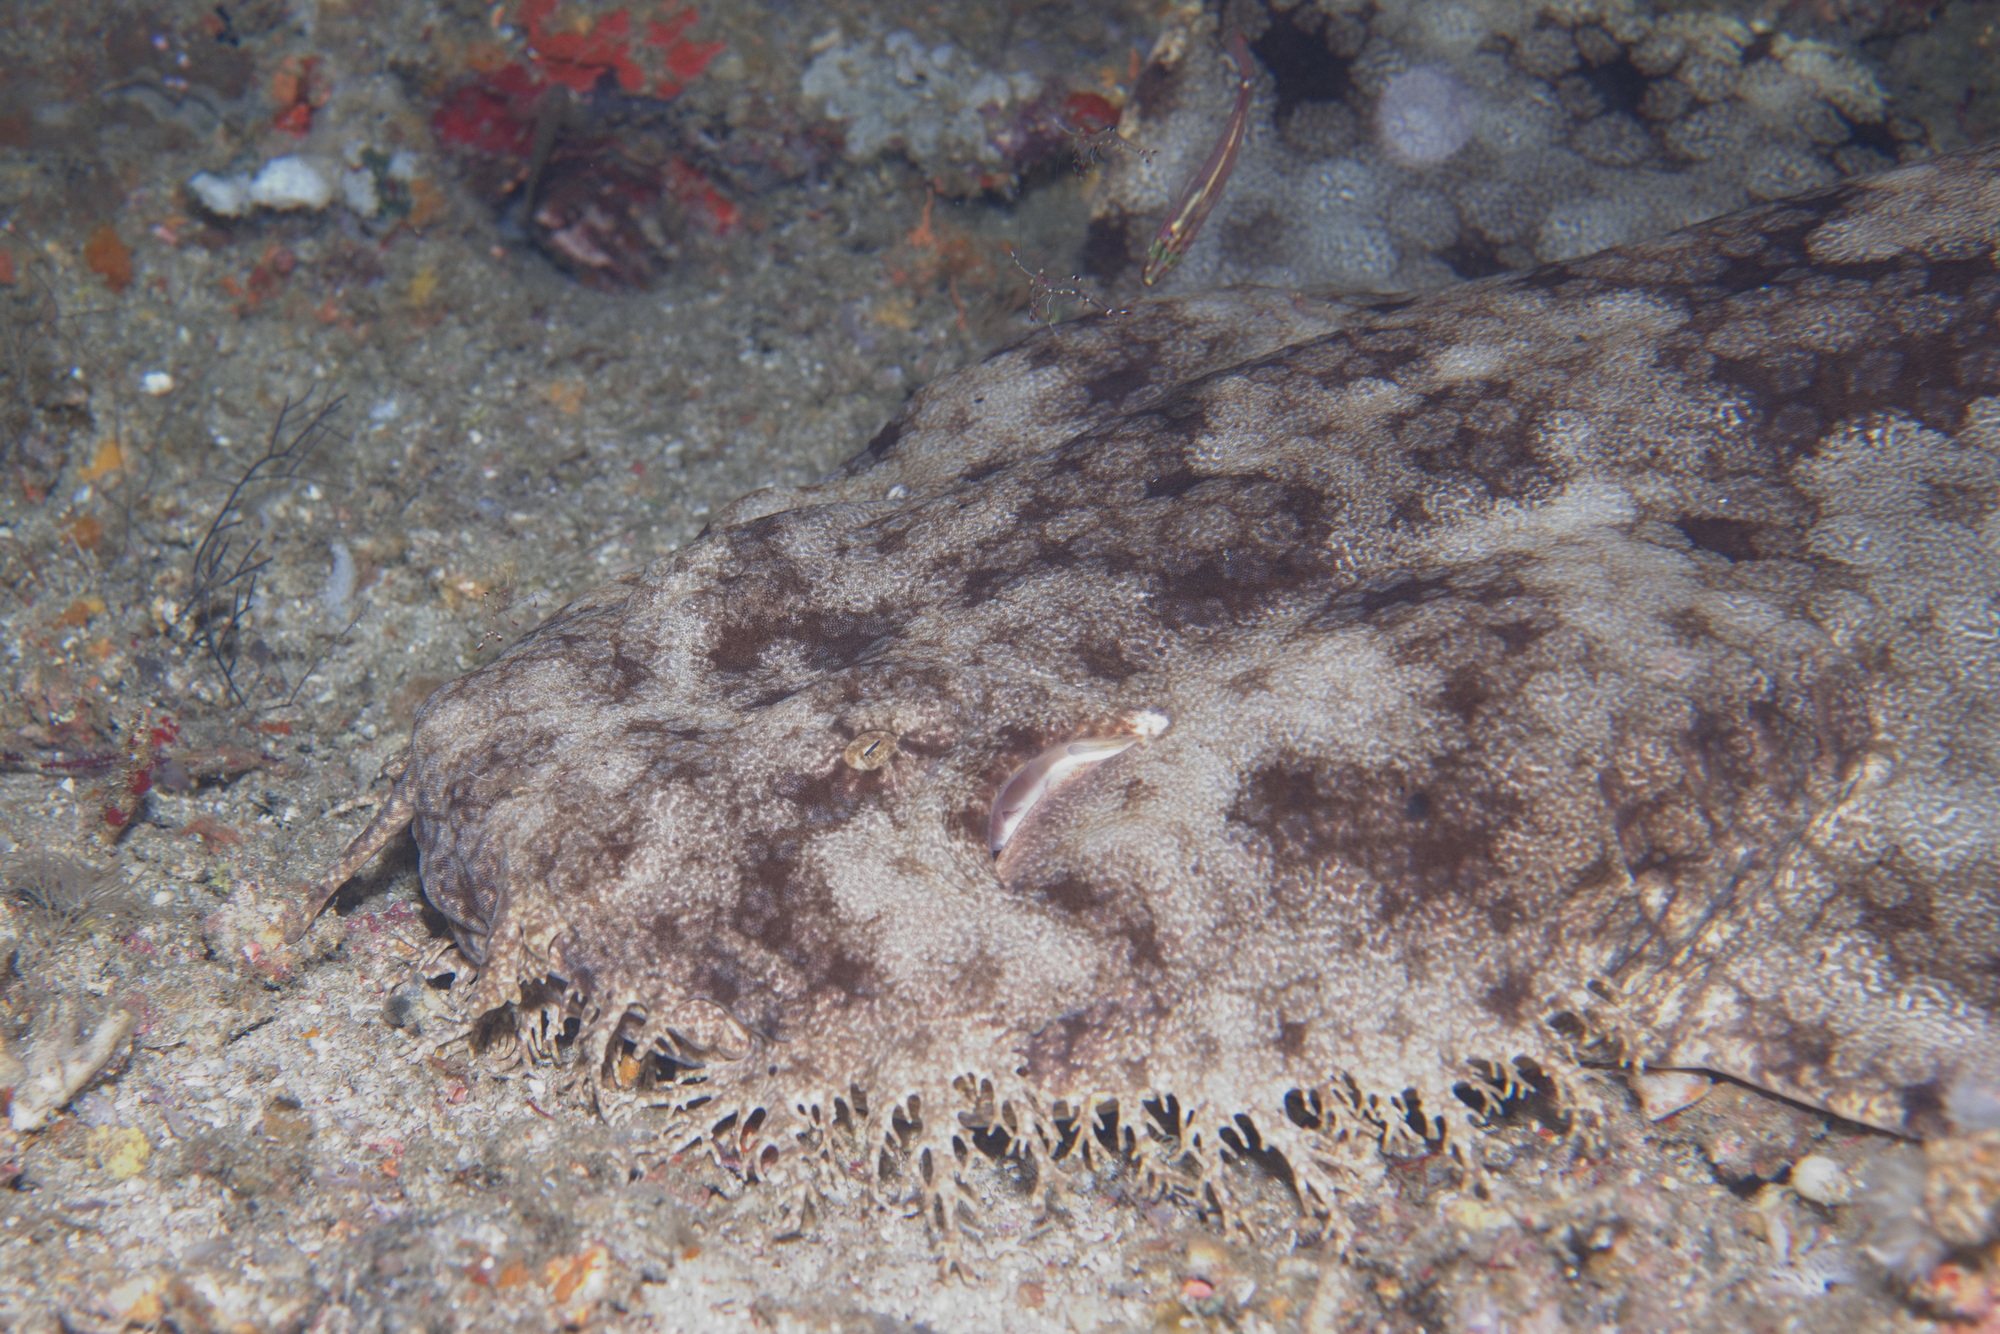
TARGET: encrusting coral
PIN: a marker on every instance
(1396, 148)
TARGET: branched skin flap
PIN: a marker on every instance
(1614, 640)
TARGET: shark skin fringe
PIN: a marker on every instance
(838, 1149)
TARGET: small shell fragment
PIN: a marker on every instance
(870, 750)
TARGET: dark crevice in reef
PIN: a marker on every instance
(1619, 85)
(1300, 63)
(1107, 248)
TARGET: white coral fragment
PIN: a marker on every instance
(282, 184)
(62, 1060)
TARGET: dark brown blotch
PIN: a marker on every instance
(825, 797)
(783, 918)
(1518, 635)
(629, 671)
(1232, 586)
(984, 583)
(717, 974)
(1968, 505)
(1893, 902)
(1072, 894)
(1173, 481)
(850, 974)
(1923, 1110)
(1731, 539)
(1504, 914)
(766, 907)
(1380, 599)
(1925, 371)
(1465, 692)
(1104, 658)
(1112, 386)
(1416, 840)
(827, 640)
(1509, 998)
(1801, 1047)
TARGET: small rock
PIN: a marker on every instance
(133, 1302)
(1206, 1260)
(94, 1109)
(156, 383)
(357, 191)
(252, 935)
(1821, 1180)
(1664, 1092)
(224, 196)
(1478, 1216)
(292, 182)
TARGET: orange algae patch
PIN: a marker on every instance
(427, 203)
(578, 52)
(1090, 113)
(574, 1276)
(86, 530)
(79, 612)
(296, 90)
(108, 257)
(109, 458)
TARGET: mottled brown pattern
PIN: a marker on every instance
(1615, 641)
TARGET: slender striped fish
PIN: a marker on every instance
(1198, 200)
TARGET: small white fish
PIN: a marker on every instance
(1055, 766)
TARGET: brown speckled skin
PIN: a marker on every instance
(1618, 639)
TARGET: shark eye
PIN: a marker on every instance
(1055, 766)
(870, 750)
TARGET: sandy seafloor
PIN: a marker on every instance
(283, 1144)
